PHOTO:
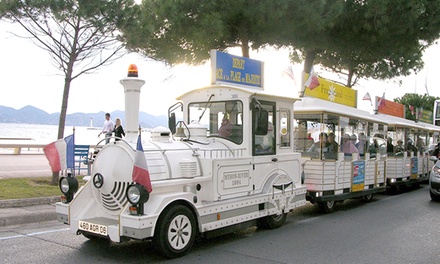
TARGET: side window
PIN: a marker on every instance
(265, 144)
(284, 120)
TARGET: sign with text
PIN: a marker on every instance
(358, 176)
(425, 116)
(391, 108)
(333, 92)
(227, 68)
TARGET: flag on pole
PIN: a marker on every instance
(381, 102)
(367, 97)
(141, 174)
(312, 81)
(289, 72)
(60, 153)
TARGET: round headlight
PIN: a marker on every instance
(137, 194)
(64, 185)
(133, 194)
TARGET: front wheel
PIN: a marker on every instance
(272, 221)
(326, 207)
(176, 232)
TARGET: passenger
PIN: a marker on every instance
(225, 128)
(361, 144)
(347, 145)
(309, 141)
(118, 130)
(410, 147)
(353, 139)
(107, 129)
(374, 147)
(321, 145)
(436, 151)
(390, 146)
(420, 145)
(400, 148)
(334, 147)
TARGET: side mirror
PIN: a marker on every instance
(261, 122)
(172, 123)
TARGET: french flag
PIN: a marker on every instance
(312, 82)
(141, 174)
(60, 153)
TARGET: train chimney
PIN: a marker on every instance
(132, 89)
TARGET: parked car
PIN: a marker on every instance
(434, 180)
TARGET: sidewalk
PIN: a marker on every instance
(32, 210)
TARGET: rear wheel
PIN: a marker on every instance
(327, 207)
(367, 198)
(272, 221)
(176, 232)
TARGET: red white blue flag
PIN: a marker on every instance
(312, 81)
(381, 103)
(141, 174)
(60, 153)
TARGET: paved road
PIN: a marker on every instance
(391, 229)
(25, 165)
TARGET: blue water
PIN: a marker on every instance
(44, 134)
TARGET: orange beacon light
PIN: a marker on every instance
(132, 71)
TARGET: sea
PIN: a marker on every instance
(45, 134)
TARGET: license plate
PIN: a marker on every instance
(93, 228)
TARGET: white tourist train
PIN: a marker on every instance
(234, 156)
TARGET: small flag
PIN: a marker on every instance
(289, 72)
(312, 82)
(141, 174)
(411, 108)
(367, 97)
(381, 102)
(60, 153)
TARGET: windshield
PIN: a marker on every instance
(222, 119)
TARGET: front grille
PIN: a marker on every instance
(116, 199)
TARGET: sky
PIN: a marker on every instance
(28, 78)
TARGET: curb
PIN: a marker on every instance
(29, 201)
(25, 211)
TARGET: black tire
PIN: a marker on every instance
(367, 198)
(434, 197)
(175, 232)
(272, 221)
(327, 207)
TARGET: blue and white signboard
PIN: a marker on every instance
(358, 176)
(230, 69)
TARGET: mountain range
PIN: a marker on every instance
(32, 115)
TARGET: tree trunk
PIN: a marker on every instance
(63, 113)
(350, 78)
(245, 47)
(308, 62)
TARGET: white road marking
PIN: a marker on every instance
(34, 234)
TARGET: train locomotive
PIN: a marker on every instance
(227, 164)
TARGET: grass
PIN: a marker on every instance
(18, 188)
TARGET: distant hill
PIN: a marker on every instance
(33, 115)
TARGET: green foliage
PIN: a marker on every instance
(425, 102)
(380, 39)
(184, 31)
